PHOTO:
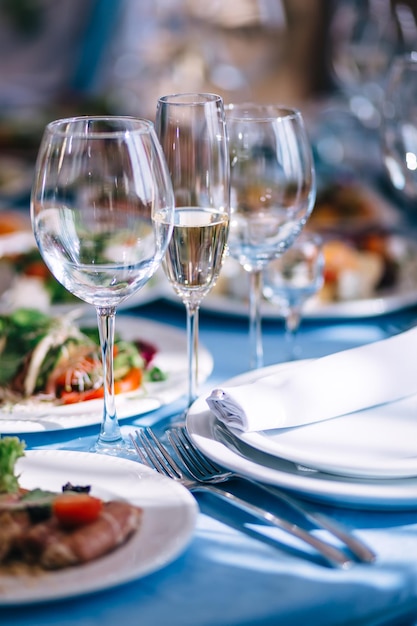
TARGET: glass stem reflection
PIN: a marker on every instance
(292, 325)
(192, 351)
(110, 431)
(255, 323)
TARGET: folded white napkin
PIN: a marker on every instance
(320, 389)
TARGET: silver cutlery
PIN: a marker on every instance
(155, 455)
(203, 469)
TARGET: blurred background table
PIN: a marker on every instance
(111, 56)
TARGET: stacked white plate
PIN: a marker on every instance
(366, 459)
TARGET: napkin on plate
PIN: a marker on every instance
(320, 389)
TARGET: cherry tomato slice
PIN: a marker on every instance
(76, 509)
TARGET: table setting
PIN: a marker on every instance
(272, 487)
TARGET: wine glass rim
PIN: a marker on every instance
(67, 126)
(190, 98)
(256, 111)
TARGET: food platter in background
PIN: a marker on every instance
(371, 264)
(370, 260)
(229, 297)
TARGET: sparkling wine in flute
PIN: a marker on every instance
(196, 250)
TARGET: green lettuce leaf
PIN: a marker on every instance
(11, 449)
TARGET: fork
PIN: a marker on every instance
(155, 455)
(203, 469)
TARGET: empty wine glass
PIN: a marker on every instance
(399, 128)
(291, 280)
(272, 194)
(364, 37)
(192, 131)
(102, 214)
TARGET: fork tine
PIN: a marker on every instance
(144, 459)
(157, 454)
(152, 459)
(191, 463)
(195, 462)
(204, 461)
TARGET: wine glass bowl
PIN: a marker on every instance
(102, 215)
(192, 131)
(364, 36)
(291, 280)
(399, 128)
(272, 193)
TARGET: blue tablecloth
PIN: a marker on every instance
(231, 575)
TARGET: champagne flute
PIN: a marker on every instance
(273, 192)
(102, 214)
(291, 280)
(192, 130)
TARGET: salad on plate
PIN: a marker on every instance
(52, 359)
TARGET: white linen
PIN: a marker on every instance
(324, 388)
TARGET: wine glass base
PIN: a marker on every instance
(120, 448)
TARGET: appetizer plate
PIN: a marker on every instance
(169, 517)
(171, 358)
(231, 452)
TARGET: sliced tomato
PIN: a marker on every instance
(76, 509)
(72, 397)
(130, 382)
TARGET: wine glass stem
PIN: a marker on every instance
(192, 351)
(292, 324)
(255, 324)
(110, 431)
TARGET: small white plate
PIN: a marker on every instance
(224, 448)
(169, 517)
(171, 358)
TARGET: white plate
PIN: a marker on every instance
(168, 523)
(171, 358)
(222, 447)
(374, 443)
